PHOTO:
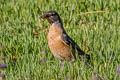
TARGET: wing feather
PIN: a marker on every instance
(68, 41)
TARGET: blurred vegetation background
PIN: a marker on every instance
(93, 24)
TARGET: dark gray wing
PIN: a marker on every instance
(68, 41)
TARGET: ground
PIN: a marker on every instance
(93, 24)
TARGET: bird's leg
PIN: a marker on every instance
(61, 63)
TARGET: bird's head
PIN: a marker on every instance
(51, 16)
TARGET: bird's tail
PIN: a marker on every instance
(82, 53)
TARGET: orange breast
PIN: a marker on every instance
(56, 45)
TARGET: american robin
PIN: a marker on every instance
(60, 44)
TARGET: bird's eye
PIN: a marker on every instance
(52, 14)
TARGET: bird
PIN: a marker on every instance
(61, 45)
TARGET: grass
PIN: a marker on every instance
(23, 35)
